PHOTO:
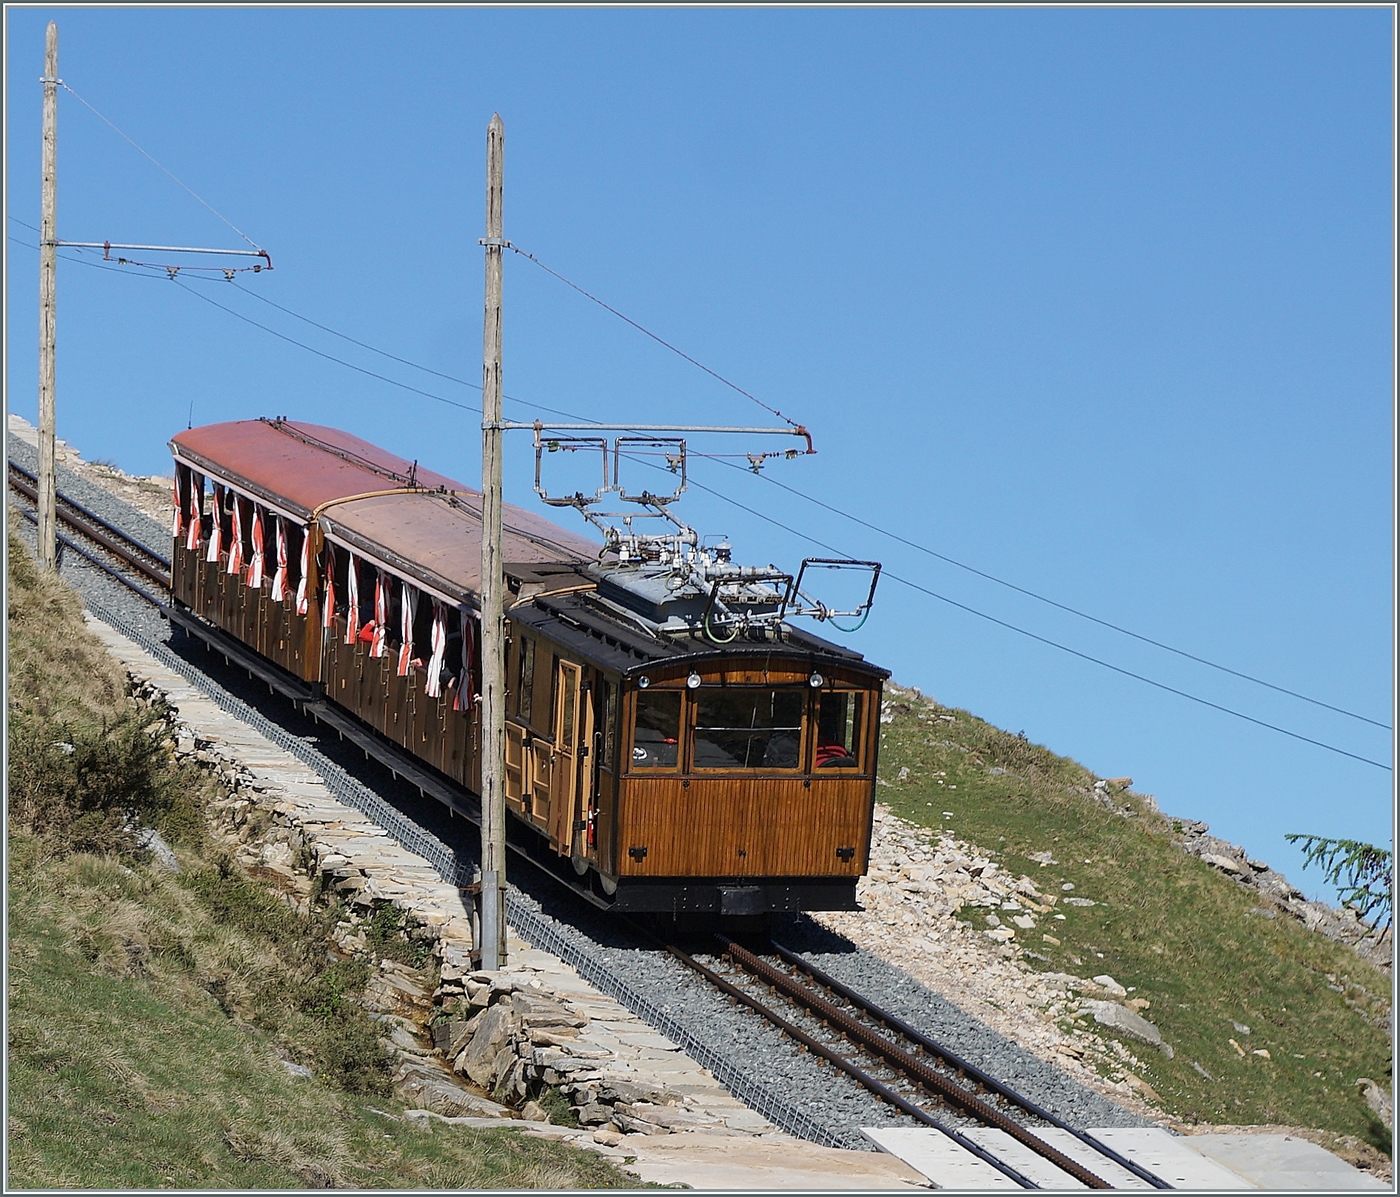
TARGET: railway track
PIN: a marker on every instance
(896, 1062)
(891, 1059)
(105, 537)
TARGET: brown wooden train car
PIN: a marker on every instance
(671, 768)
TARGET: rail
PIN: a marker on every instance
(852, 1024)
(124, 547)
(961, 1066)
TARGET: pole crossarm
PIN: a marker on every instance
(538, 426)
(108, 246)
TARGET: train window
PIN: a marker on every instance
(838, 730)
(657, 733)
(365, 577)
(451, 674)
(339, 562)
(748, 728)
(525, 683)
(423, 630)
(608, 704)
(566, 721)
(295, 536)
(245, 524)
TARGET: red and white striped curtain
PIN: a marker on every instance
(410, 610)
(466, 694)
(434, 687)
(381, 614)
(279, 576)
(196, 510)
(352, 609)
(235, 544)
(258, 564)
(328, 612)
(178, 520)
(216, 537)
(302, 604)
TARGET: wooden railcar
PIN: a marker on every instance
(656, 768)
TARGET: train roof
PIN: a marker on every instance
(586, 624)
(427, 526)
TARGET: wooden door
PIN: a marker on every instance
(572, 729)
(540, 757)
(516, 754)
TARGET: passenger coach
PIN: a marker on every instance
(678, 761)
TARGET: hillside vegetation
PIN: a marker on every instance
(1307, 1016)
(183, 1029)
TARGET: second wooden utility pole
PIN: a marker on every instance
(48, 266)
(493, 664)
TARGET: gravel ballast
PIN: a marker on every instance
(775, 1076)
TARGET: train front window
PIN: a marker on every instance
(838, 730)
(748, 728)
(656, 736)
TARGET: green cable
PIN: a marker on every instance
(858, 626)
(710, 632)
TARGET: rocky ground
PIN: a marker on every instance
(918, 880)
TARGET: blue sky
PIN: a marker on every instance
(1097, 301)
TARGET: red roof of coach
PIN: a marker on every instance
(434, 533)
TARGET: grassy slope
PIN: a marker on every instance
(149, 1013)
(1166, 923)
(122, 1079)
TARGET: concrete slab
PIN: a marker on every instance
(1079, 1151)
(1171, 1158)
(1285, 1162)
(730, 1163)
(1028, 1163)
(947, 1165)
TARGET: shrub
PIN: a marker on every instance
(84, 782)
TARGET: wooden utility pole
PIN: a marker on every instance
(48, 263)
(493, 664)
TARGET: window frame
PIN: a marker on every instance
(804, 733)
(863, 696)
(630, 765)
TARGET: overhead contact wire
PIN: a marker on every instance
(733, 386)
(328, 357)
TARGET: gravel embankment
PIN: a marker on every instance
(756, 1049)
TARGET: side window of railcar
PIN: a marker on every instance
(295, 535)
(365, 577)
(423, 630)
(245, 515)
(341, 561)
(525, 681)
(838, 729)
(748, 728)
(656, 737)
